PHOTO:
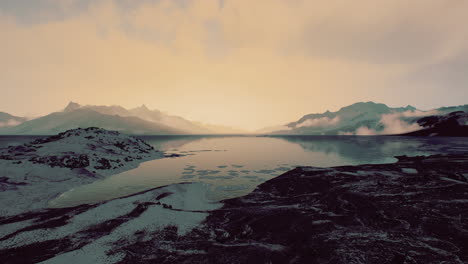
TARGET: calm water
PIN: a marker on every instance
(234, 166)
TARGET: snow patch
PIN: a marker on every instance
(48, 167)
(409, 170)
(184, 206)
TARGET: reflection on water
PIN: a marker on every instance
(234, 166)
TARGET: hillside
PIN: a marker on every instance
(142, 112)
(454, 124)
(351, 119)
(7, 120)
(158, 117)
(60, 121)
(32, 174)
(367, 118)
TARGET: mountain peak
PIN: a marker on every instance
(365, 107)
(71, 106)
(410, 107)
(143, 107)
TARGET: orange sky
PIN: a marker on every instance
(241, 63)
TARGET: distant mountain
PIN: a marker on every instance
(364, 118)
(158, 117)
(81, 118)
(454, 124)
(450, 109)
(7, 120)
(139, 120)
(169, 120)
(347, 120)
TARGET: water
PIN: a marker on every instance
(235, 165)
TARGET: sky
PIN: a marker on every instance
(242, 63)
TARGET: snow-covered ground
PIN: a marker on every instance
(92, 230)
(34, 173)
(348, 214)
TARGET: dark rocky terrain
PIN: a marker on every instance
(80, 148)
(454, 124)
(412, 211)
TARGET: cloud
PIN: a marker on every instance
(9, 123)
(43, 11)
(394, 124)
(396, 34)
(320, 122)
(447, 72)
(415, 113)
(249, 58)
(365, 131)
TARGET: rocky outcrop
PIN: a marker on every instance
(454, 124)
(412, 211)
(92, 147)
(34, 173)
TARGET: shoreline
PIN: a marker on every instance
(35, 173)
(340, 214)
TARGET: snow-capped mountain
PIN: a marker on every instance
(7, 120)
(139, 120)
(156, 116)
(142, 112)
(364, 118)
(65, 120)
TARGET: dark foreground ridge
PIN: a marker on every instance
(454, 124)
(412, 211)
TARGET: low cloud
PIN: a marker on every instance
(394, 124)
(365, 131)
(233, 55)
(320, 122)
(9, 123)
(418, 113)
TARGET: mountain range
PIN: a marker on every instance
(363, 118)
(139, 121)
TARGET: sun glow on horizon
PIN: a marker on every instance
(246, 64)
